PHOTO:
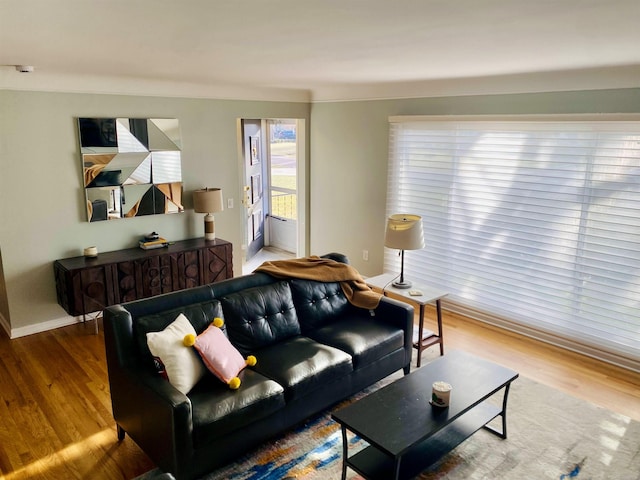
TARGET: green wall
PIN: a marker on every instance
(41, 198)
(41, 207)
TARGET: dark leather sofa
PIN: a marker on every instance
(313, 347)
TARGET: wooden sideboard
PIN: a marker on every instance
(85, 285)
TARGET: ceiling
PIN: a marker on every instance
(320, 49)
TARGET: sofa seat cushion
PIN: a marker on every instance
(302, 365)
(217, 410)
(365, 339)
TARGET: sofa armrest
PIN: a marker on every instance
(154, 413)
(401, 315)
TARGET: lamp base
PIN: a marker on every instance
(209, 227)
(403, 284)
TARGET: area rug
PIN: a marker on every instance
(551, 435)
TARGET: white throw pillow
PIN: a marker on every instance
(183, 366)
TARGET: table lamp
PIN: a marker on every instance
(404, 232)
(209, 201)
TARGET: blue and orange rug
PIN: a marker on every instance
(551, 436)
(311, 451)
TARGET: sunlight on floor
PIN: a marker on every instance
(101, 440)
(610, 441)
(265, 255)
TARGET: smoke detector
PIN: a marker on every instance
(24, 68)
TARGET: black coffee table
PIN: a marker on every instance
(406, 434)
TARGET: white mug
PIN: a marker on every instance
(91, 252)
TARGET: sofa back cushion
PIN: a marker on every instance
(260, 316)
(200, 315)
(318, 303)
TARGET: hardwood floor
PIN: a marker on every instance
(55, 411)
(600, 383)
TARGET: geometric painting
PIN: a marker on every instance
(131, 166)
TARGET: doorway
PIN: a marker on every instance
(274, 176)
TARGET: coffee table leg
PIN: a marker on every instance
(397, 473)
(503, 414)
(439, 318)
(345, 452)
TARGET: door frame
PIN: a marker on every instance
(302, 182)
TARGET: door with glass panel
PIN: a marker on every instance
(254, 178)
(273, 197)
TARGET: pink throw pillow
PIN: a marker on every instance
(218, 354)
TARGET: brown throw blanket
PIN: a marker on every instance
(325, 270)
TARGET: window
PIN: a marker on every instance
(283, 173)
(536, 222)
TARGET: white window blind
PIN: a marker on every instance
(536, 222)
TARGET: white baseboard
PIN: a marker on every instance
(545, 336)
(42, 327)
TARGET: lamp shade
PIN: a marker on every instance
(208, 200)
(404, 232)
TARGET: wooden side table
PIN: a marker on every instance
(424, 338)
